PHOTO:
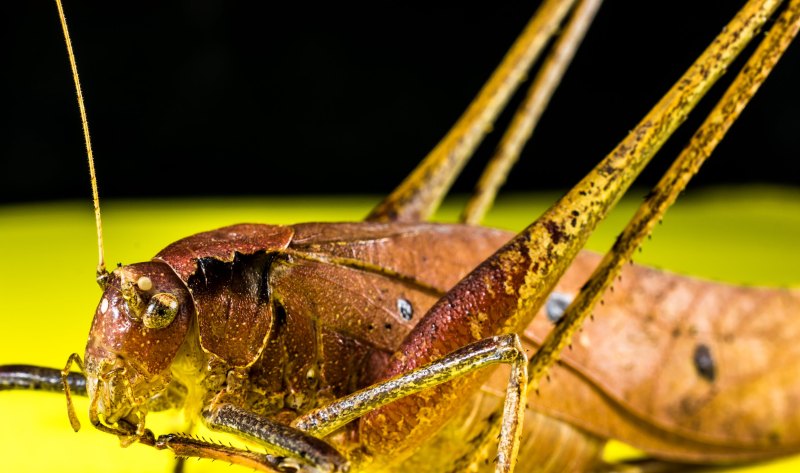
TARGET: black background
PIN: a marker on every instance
(217, 98)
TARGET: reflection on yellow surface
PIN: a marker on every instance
(48, 293)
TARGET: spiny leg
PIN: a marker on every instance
(510, 286)
(671, 184)
(664, 194)
(281, 440)
(299, 446)
(419, 195)
(287, 449)
(185, 446)
(502, 294)
(527, 268)
(528, 114)
(487, 352)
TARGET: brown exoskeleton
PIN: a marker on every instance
(252, 328)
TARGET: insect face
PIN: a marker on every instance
(144, 314)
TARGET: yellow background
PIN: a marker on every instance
(48, 293)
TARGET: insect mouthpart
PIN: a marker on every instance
(118, 395)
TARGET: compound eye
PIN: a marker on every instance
(161, 310)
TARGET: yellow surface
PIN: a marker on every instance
(48, 292)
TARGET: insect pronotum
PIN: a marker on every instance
(82, 329)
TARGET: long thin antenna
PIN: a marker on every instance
(101, 265)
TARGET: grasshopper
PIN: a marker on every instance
(396, 209)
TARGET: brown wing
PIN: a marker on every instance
(436, 254)
(681, 368)
(345, 296)
(378, 304)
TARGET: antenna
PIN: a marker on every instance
(101, 265)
